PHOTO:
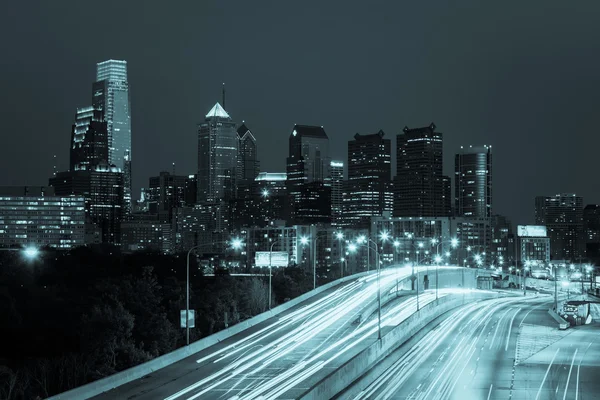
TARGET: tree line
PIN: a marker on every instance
(70, 318)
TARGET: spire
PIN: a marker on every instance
(223, 94)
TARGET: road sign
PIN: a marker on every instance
(278, 258)
(531, 231)
(192, 318)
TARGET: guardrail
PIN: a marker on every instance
(120, 378)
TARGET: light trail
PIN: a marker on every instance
(510, 328)
(546, 375)
(337, 307)
(569, 376)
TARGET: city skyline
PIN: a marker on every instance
(170, 95)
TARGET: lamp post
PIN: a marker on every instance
(396, 244)
(366, 243)
(339, 236)
(305, 240)
(236, 244)
(30, 253)
(454, 243)
(270, 269)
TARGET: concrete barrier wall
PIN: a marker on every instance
(562, 323)
(354, 368)
(120, 378)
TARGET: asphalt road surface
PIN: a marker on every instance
(285, 355)
(506, 348)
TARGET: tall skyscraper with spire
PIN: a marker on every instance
(218, 147)
(111, 95)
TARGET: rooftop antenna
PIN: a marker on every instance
(54, 167)
(173, 168)
(223, 95)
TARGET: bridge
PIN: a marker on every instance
(324, 344)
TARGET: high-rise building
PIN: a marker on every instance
(35, 216)
(308, 175)
(421, 189)
(562, 215)
(502, 241)
(89, 139)
(111, 95)
(591, 230)
(473, 182)
(337, 191)
(368, 189)
(166, 192)
(269, 200)
(218, 146)
(248, 166)
(102, 189)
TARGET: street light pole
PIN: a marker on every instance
(270, 269)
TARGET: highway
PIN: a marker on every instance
(507, 348)
(285, 355)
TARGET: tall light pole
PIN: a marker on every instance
(438, 258)
(396, 244)
(236, 244)
(366, 243)
(305, 240)
(340, 236)
(30, 253)
(270, 269)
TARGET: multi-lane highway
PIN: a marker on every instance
(507, 348)
(285, 355)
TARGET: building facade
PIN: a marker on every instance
(218, 147)
(308, 175)
(562, 215)
(146, 232)
(102, 189)
(473, 182)
(166, 192)
(111, 96)
(368, 190)
(89, 139)
(337, 192)
(533, 245)
(35, 216)
(421, 189)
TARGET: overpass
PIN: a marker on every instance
(292, 349)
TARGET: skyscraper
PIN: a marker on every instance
(421, 188)
(111, 95)
(368, 190)
(248, 155)
(473, 182)
(337, 191)
(308, 174)
(218, 147)
(562, 215)
(89, 139)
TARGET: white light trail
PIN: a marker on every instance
(546, 375)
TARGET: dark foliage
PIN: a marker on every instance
(70, 318)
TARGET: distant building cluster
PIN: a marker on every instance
(310, 211)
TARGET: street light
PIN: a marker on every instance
(30, 253)
(339, 236)
(366, 242)
(438, 259)
(305, 240)
(270, 269)
(235, 244)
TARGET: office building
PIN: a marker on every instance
(89, 139)
(35, 216)
(421, 189)
(473, 182)
(166, 192)
(368, 189)
(218, 146)
(269, 199)
(102, 188)
(337, 191)
(562, 215)
(308, 175)
(591, 231)
(533, 245)
(248, 165)
(146, 232)
(502, 247)
(111, 95)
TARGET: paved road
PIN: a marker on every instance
(283, 356)
(497, 349)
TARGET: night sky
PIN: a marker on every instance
(522, 76)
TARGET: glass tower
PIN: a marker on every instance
(217, 156)
(111, 95)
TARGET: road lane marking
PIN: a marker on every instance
(510, 328)
(498, 326)
(569, 376)
(490, 392)
(546, 374)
